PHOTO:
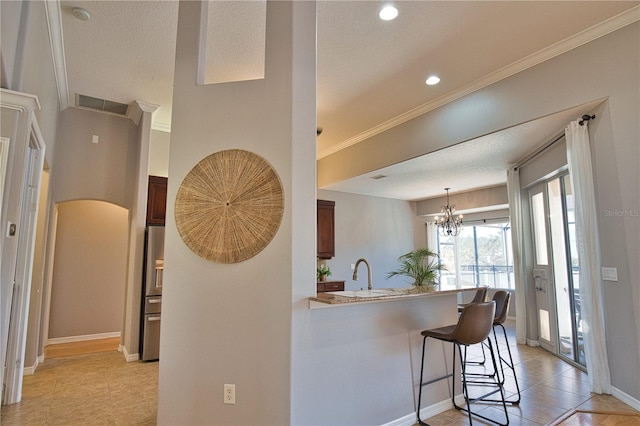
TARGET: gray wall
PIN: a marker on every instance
(555, 85)
(377, 229)
(28, 64)
(89, 271)
(11, 12)
(102, 171)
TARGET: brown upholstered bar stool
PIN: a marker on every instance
(474, 325)
(502, 299)
(480, 296)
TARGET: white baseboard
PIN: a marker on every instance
(40, 359)
(27, 371)
(127, 356)
(626, 398)
(426, 412)
(533, 343)
(57, 340)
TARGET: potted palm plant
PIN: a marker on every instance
(422, 266)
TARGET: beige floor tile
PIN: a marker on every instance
(534, 412)
(605, 403)
(568, 384)
(104, 389)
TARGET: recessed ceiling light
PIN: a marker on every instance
(433, 80)
(81, 13)
(388, 13)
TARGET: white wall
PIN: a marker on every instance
(159, 153)
(232, 323)
(35, 344)
(89, 271)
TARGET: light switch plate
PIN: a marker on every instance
(609, 274)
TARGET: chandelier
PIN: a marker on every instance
(447, 224)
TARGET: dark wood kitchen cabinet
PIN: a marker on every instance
(325, 286)
(325, 229)
(157, 200)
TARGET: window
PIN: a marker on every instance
(480, 255)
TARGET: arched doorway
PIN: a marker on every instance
(89, 271)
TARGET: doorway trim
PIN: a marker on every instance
(29, 187)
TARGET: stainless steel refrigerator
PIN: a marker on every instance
(152, 290)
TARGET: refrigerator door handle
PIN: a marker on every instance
(158, 277)
(153, 318)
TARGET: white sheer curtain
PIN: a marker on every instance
(515, 215)
(591, 294)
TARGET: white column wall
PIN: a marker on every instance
(231, 323)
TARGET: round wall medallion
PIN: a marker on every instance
(229, 206)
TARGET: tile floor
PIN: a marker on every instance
(92, 389)
(103, 389)
(550, 389)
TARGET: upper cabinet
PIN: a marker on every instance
(156, 200)
(325, 229)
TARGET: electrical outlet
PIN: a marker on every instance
(229, 394)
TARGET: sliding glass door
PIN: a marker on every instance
(556, 268)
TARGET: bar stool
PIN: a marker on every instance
(474, 325)
(502, 299)
(480, 296)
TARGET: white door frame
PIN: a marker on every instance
(4, 155)
(546, 314)
(27, 174)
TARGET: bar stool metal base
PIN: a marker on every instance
(474, 326)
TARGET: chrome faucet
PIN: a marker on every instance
(355, 271)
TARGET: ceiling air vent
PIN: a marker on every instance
(103, 105)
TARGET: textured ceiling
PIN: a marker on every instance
(125, 52)
(370, 72)
(478, 163)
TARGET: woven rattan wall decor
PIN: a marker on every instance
(229, 206)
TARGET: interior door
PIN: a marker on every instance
(543, 270)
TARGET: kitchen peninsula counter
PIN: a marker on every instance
(372, 340)
(346, 298)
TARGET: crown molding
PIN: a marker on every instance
(137, 108)
(161, 127)
(599, 30)
(53, 13)
(19, 101)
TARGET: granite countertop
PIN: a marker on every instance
(376, 295)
